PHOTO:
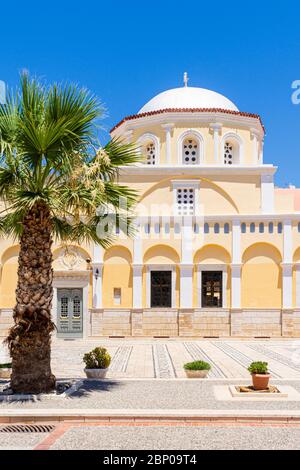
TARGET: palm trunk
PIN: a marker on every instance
(29, 339)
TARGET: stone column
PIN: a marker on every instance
(216, 127)
(186, 266)
(168, 129)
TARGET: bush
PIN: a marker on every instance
(98, 358)
(258, 367)
(5, 366)
(197, 365)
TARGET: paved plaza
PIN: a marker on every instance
(164, 358)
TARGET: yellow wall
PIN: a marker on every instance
(117, 273)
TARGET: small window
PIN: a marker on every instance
(177, 228)
(231, 152)
(196, 228)
(279, 227)
(243, 228)
(261, 227)
(156, 228)
(226, 228)
(117, 296)
(271, 227)
(147, 228)
(185, 201)
(190, 151)
(299, 227)
(206, 228)
(217, 228)
(167, 228)
(252, 227)
(149, 153)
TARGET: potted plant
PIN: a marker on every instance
(260, 375)
(197, 369)
(5, 370)
(96, 363)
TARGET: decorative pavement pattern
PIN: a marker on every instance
(148, 358)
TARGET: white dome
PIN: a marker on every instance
(188, 97)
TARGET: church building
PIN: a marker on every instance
(216, 246)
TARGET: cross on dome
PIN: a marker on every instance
(185, 79)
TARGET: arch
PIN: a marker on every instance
(296, 256)
(238, 147)
(261, 276)
(212, 254)
(149, 137)
(117, 277)
(10, 252)
(9, 276)
(193, 133)
(166, 183)
(58, 250)
(117, 254)
(161, 254)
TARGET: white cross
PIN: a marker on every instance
(185, 79)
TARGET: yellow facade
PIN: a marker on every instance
(217, 247)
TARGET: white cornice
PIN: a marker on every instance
(225, 119)
(197, 170)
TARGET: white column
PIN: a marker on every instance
(186, 266)
(261, 153)
(216, 127)
(168, 129)
(254, 136)
(287, 266)
(267, 194)
(297, 285)
(137, 268)
(97, 266)
(236, 265)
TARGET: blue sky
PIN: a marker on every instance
(126, 52)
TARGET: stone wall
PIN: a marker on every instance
(256, 323)
(184, 323)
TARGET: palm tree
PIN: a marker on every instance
(54, 178)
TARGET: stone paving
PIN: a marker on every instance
(164, 358)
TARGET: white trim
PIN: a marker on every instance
(267, 193)
(97, 285)
(287, 241)
(236, 241)
(70, 282)
(168, 129)
(212, 267)
(160, 267)
(287, 285)
(216, 128)
(227, 119)
(199, 137)
(137, 286)
(236, 271)
(197, 170)
(186, 285)
(238, 139)
(146, 137)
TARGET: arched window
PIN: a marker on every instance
(279, 227)
(271, 227)
(149, 148)
(243, 227)
(231, 152)
(261, 227)
(206, 228)
(190, 151)
(299, 227)
(149, 153)
(226, 228)
(217, 228)
(252, 227)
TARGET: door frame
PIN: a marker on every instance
(76, 280)
(161, 267)
(212, 267)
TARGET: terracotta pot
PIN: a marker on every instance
(95, 373)
(260, 381)
(196, 374)
(5, 373)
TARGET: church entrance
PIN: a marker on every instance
(161, 289)
(212, 289)
(69, 313)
